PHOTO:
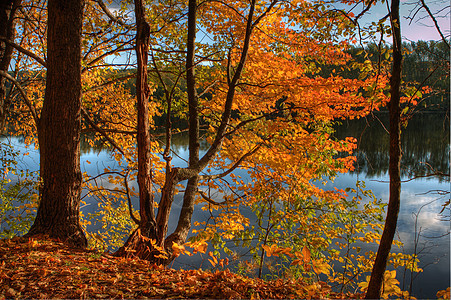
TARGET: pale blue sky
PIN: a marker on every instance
(422, 26)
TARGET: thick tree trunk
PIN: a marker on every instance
(377, 274)
(8, 10)
(60, 126)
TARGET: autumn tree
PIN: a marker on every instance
(59, 127)
(248, 106)
(27, 82)
(395, 153)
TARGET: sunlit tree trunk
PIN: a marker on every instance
(8, 9)
(377, 274)
(60, 126)
(147, 227)
(146, 201)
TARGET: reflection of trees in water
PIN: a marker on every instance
(85, 147)
(425, 144)
(179, 143)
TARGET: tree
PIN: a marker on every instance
(8, 11)
(377, 275)
(256, 88)
(60, 125)
(397, 117)
(147, 224)
(249, 107)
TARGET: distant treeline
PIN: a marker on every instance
(425, 63)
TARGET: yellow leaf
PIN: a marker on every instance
(320, 266)
(443, 294)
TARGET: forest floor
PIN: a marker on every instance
(44, 268)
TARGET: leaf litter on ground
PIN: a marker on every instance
(40, 267)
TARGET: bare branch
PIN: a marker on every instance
(107, 54)
(364, 10)
(110, 14)
(24, 96)
(208, 199)
(25, 51)
(435, 23)
(137, 222)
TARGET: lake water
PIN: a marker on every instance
(425, 147)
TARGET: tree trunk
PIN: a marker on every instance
(140, 239)
(377, 274)
(8, 10)
(184, 223)
(149, 227)
(60, 126)
(146, 201)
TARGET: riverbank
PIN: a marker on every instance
(43, 268)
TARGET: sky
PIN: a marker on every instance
(421, 27)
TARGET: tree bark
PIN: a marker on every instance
(184, 223)
(146, 200)
(8, 9)
(60, 126)
(377, 274)
(140, 240)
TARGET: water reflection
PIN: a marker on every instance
(425, 144)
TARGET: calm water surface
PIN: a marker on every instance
(425, 148)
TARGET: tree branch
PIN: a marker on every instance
(235, 165)
(101, 131)
(25, 51)
(130, 209)
(110, 14)
(435, 23)
(230, 93)
(24, 96)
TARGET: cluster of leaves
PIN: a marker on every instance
(112, 217)
(308, 238)
(39, 268)
(18, 198)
